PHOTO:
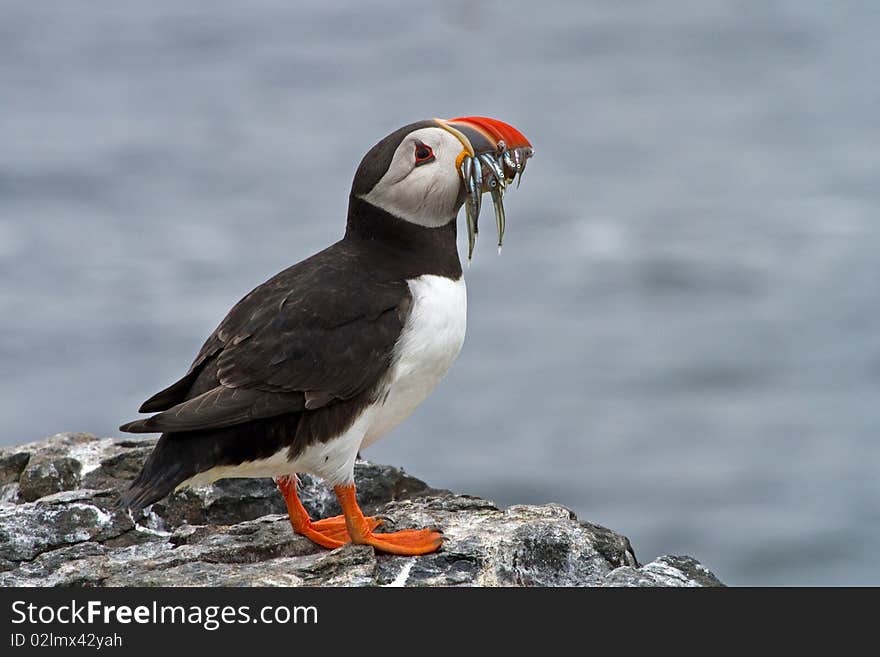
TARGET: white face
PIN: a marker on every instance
(419, 189)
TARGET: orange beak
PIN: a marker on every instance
(482, 129)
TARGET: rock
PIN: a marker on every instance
(44, 477)
(664, 571)
(61, 528)
(30, 529)
(11, 467)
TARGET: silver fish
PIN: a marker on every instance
(494, 168)
(498, 203)
(472, 235)
(477, 194)
(472, 169)
(466, 166)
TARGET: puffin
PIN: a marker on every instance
(326, 357)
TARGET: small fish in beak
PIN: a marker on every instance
(496, 155)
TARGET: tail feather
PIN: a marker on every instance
(144, 492)
(136, 426)
(179, 456)
(167, 466)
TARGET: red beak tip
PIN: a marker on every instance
(496, 130)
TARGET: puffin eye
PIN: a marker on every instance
(424, 154)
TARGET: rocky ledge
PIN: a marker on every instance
(59, 527)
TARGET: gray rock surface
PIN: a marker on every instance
(59, 527)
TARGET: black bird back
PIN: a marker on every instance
(298, 358)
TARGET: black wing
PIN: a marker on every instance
(317, 332)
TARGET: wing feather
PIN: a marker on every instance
(318, 332)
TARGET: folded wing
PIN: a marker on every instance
(312, 335)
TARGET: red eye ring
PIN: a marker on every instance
(423, 153)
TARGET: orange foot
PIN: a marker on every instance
(326, 540)
(299, 517)
(406, 542)
(330, 533)
(335, 527)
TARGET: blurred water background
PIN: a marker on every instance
(681, 339)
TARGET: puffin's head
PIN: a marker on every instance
(424, 172)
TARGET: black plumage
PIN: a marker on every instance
(317, 332)
(299, 357)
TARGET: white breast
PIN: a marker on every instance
(427, 346)
(424, 352)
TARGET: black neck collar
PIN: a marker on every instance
(414, 249)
